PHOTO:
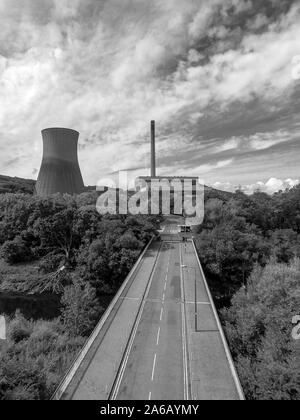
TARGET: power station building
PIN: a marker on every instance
(168, 189)
(153, 181)
(60, 171)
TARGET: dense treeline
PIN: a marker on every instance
(249, 246)
(259, 327)
(62, 246)
(65, 234)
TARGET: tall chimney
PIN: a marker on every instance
(153, 157)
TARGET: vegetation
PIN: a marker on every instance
(250, 250)
(16, 185)
(258, 327)
(59, 246)
(34, 358)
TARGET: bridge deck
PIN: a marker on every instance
(161, 340)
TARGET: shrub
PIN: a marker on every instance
(15, 251)
(81, 309)
(19, 329)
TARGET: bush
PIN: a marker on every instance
(35, 358)
(19, 329)
(15, 251)
(81, 310)
(258, 327)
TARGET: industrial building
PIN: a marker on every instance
(166, 185)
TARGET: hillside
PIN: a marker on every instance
(22, 185)
(26, 186)
(16, 185)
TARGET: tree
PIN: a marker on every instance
(15, 251)
(258, 327)
(80, 308)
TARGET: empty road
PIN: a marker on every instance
(160, 340)
(156, 365)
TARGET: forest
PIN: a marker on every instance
(60, 247)
(250, 249)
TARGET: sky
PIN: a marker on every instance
(220, 77)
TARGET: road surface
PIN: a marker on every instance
(161, 340)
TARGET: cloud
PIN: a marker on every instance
(107, 67)
(257, 141)
(272, 186)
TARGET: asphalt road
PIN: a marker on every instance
(161, 340)
(156, 364)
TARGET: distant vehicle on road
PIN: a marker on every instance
(185, 229)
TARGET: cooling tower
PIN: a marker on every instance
(60, 171)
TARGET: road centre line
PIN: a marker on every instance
(153, 369)
(158, 337)
(161, 313)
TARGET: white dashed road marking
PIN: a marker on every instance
(161, 313)
(153, 370)
(158, 336)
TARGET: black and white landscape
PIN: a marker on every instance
(154, 296)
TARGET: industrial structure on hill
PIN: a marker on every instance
(60, 171)
(154, 179)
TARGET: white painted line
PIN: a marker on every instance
(153, 369)
(150, 396)
(161, 313)
(158, 337)
(164, 297)
(165, 288)
(184, 335)
(199, 303)
(129, 298)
